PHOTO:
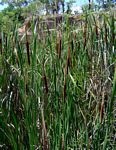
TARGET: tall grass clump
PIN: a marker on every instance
(59, 91)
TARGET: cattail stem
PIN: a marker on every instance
(45, 140)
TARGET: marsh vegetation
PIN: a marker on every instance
(59, 91)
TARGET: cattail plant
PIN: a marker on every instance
(60, 94)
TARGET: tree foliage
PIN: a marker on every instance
(106, 3)
(16, 3)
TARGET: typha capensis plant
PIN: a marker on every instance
(58, 91)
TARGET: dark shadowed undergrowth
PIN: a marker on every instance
(59, 92)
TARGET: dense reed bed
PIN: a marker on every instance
(59, 92)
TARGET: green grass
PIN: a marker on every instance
(60, 94)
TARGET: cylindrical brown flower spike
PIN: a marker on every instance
(27, 48)
(64, 90)
(84, 35)
(97, 33)
(59, 45)
(1, 45)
